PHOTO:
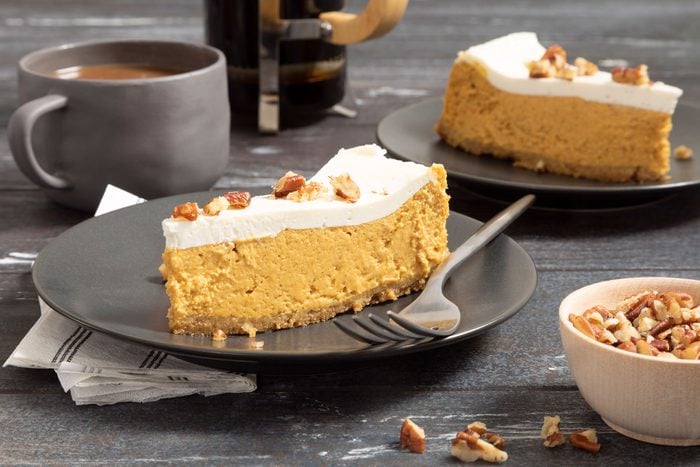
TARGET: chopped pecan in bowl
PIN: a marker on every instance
(650, 323)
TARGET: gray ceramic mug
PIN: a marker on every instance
(152, 136)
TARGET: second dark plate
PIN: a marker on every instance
(408, 134)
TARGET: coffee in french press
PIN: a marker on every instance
(312, 72)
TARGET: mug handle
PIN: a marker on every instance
(19, 134)
(378, 18)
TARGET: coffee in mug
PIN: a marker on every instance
(150, 117)
(116, 71)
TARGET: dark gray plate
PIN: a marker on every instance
(408, 134)
(103, 273)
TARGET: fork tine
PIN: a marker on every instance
(411, 326)
(360, 336)
(395, 329)
(374, 329)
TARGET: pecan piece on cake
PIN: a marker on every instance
(189, 211)
(541, 69)
(288, 183)
(238, 199)
(584, 67)
(556, 55)
(215, 205)
(637, 76)
(345, 188)
(308, 192)
(552, 64)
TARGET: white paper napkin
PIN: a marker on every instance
(99, 369)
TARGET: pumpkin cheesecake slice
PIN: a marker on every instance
(514, 99)
(365, 229)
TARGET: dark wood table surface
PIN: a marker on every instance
(509, 377)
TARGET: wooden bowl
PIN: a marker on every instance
(647, 398)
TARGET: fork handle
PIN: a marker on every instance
(480, 238)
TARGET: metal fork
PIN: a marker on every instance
(432, 314)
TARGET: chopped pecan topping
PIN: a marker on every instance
(556, 55)
(584, 67)
(238, 199)
(566, 72)
(541, 69)
(552, 64)
(188, 211)
(412, 437)
(648, 323)
(215, 205)
(637, 76)
(288, 183)
(683, 152)
(308, 192)
(585, 439)
(345, 188)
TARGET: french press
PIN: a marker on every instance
(287, 57)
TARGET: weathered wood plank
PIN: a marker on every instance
(314, 427)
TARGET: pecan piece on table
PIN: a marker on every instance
(585, 439)
(412, 437)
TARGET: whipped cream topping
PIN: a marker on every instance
(385, 184)
(506, 58)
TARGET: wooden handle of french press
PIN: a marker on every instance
(378, 18)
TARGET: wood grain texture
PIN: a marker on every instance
(509, 377)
